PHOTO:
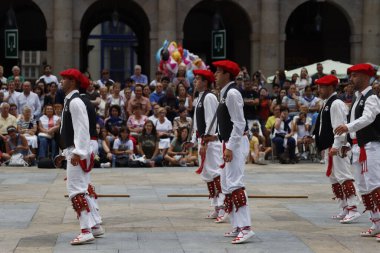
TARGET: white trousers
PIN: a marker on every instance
(232, 179)
(367, 181)
(340, 173)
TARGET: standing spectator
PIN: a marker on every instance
(182, 120)
(12, 93)
(264, 106)
(148, 144)
(30, 99)
(251, 101)
(278, 100)
(105, 78)
(157, 94)
(48, 125)
(138, 77)
(3, 79)
(139, 99)
(348, 94)
(41, 95)
(102, 112)
(310, 101)
(184, 98)
(170, 102)
(376, 87)
(136, 121)
(291, 101)
(181, 77)
(303, 81)
(280, 78)
(156, 80)
(27, 126)
(50, 98)
(17, 144)
(47, 77)
(92, 95)
(6, 120)
(16, 73)
(317, 75)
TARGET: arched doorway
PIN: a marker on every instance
(316, 31)
(31, 25)
(118, 31)
(199, 24)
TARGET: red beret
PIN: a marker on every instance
(229, 66)
(327, 80)
(363, 68)
(206, 74)
(76, 75)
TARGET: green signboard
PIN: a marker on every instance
(218, 44)
(11, 43)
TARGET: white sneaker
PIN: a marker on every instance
(371, 232)
(322, 161)
(222, 219)
(213, 215)
(82, 239)
(98, 231)
(232, 233)
(243, 236)
(341, 215)
(351, 217)
(105, 165)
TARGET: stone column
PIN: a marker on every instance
(356, 44)
(154, 46)
(63, 34)
(167, 16)
(269, 37)
(255, 52)
(371, 31)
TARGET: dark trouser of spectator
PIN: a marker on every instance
(44, 145)
(2, 145)
(279, 143)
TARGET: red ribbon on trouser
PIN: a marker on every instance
(203, 159)
(224, 162)
(83, 163)
(362, 157)
(329, 165)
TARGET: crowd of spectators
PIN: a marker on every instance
(142, 122)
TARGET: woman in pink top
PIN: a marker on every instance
(136, 121)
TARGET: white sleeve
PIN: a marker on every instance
(235, 103)
(338, 115)
(371, 110)
(81, 128)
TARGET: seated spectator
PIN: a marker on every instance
(182, 120)
(283, 135)
(105, 78)
(50, 98)
(122, 149)
(6, 120)
(146, 92)
(348, 94)
(136, 121)
(164, 131)
(116, 99)
(258, 149)
(138, 77)
(114, 122)
(157, 94)
(376, 87)
(291, 101)
(27, 126)
(139, 99)
(184, 99)
(301, 126)
(310, 101)
(154, 116)
(17, 144)
(278, 99)
(170, 102)
(181, 77)
(48, 125)
(176, 154)
(40, 93)
(264, 106)
(105, 152)
(303, 81)
(156, 80)
(101, 109)
(148, 144)
(272, 119)
(13, 110)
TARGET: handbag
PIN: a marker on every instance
(17, 160)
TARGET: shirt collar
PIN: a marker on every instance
(325, 101)
(225, 88)
(363, 93)
(68, 96)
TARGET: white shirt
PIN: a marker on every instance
(210, 104)
(164, 127)
(234, 103)
(371, 110)
(12, 97)
(32, 100)
(79, 117)
(50, 79)
(338, 116)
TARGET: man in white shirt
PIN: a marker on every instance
(364, 131)
(29, 98)
(231, 128)
(48, 77)
(333, 113)
(12, 95)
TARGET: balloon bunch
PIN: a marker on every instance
(171, 55)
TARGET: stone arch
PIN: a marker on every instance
(308, 37)
(237, 24)
(130, 13)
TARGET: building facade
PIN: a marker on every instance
(260, 34)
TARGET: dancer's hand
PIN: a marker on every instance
(228, 155)
(341, 129)
(333, 151)
(75, 159)
(202, 150)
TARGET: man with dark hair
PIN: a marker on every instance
(364, 132)
(75, 143)
(231, 127)
(317, 75)
(333, 113)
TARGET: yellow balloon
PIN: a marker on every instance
(177, 56)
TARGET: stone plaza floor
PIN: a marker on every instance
(36, 217)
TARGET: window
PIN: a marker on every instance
(30, 64)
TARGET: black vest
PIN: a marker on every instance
(225, 124)
(371, 132)
(325, 139)
(91, 115)
(200, 112)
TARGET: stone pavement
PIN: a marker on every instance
(35, 216)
